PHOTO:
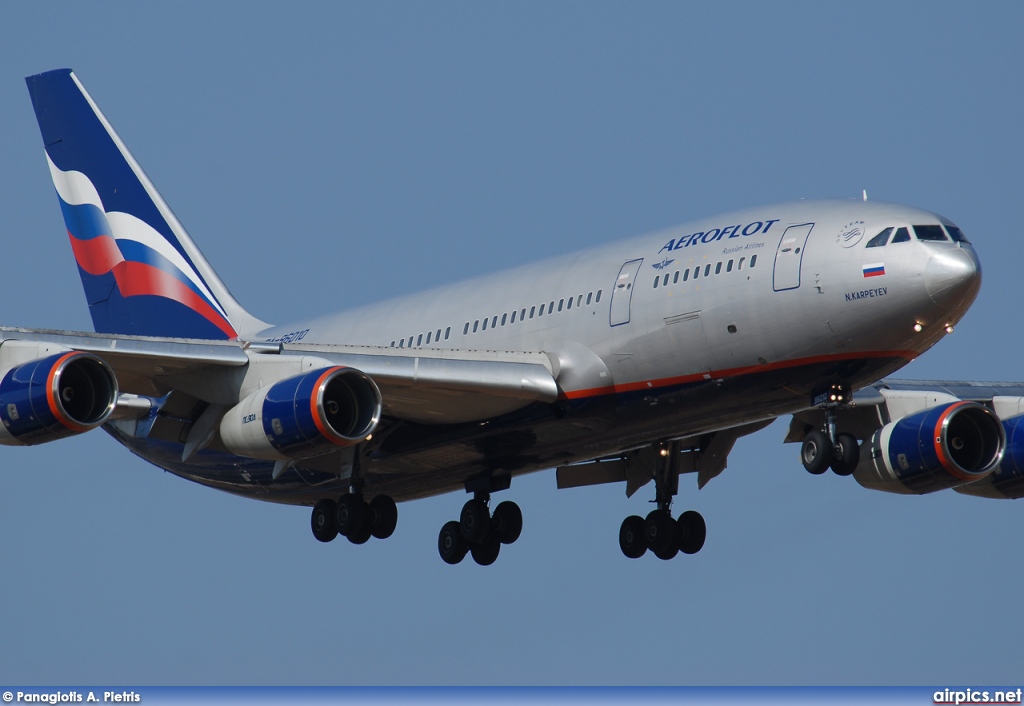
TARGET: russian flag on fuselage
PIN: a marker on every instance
(874, 270)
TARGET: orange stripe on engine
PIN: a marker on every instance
(321, 426)
(51, 396)
(946, 462)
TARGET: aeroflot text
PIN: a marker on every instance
(710, 236)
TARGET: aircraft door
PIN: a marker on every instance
(622, 292)
(789, 256)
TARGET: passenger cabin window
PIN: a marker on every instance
(902, 236)
(707, 269)
(880, 240)
(728, 268)
(448, 332)
(428, 337)
(597, 300)
(419, 340)
(504, 318)
(753, 260)
(686, 274)
(718, 268)
(931, 233)
(590, 295)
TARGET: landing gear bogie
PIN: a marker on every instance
(352, 517)
(479, 532)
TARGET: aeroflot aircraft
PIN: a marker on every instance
(634, 362)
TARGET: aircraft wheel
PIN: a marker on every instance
(361, 535)
(475, 521)
(669, 553)
(848, 456)
(385, 516)
(631, 537)
(659, 531)
(508, 522)
(351, 515)
(322, 520)
(816, 453)
(691, 531)
(450, 543)
(486, 552)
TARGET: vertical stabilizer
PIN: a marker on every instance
(141, 271)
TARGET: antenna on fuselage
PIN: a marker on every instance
(864, 192)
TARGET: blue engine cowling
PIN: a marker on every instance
(1007, 481)
(54, 397)
(942, 447)
(304, 416)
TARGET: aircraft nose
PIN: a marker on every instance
(953, 277)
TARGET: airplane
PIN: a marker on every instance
(634, 362)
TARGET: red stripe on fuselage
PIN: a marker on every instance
(733, 372)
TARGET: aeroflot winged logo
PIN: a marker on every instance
(119, 245)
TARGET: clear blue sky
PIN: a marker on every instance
(330, 154)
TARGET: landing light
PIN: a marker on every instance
(664, 452)
(918, 327)
(949, 328)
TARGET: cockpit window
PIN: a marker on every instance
(957, 235)
(880, 240)
(902, 235)
(933, 233)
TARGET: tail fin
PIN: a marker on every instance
(141, 271)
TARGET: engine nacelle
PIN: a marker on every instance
(1007, 481)
(61, 395)
(304, 416)
(942, 447)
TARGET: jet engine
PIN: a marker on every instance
(304, 416)
(941, 447)
(50, 398)
(1007, 481)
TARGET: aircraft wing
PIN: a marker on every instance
(429, 386)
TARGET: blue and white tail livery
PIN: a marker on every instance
(141, 272)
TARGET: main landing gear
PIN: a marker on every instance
(354, 518)
(659, 532)
(479, 532)
(824, 448)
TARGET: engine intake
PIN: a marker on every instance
(1007, 481)
(942, 447)
(54, 397)
(304, 416)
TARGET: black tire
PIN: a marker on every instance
(322, 520)
(669, 553)
(691, 531)
(352, 517)
(385, 516)
(475, 521)
(450, 543)
(361, 535)
(848, 457)
(659, 531)
(507, 522)
(631, 537)
(816, 452)
(487, 551)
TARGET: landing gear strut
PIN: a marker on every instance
(824, 448)
(661, 534)
(479, 532)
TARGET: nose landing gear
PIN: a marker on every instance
(824, 448)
